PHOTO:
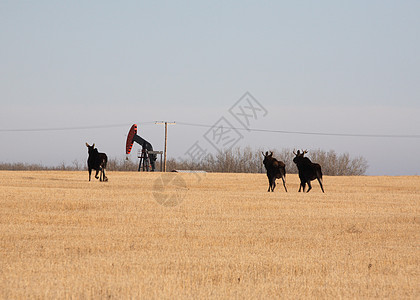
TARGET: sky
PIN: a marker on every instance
(331, 75)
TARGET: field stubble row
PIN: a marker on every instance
(207, 235)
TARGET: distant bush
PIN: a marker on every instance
(37, 167)
(339, 164)
(332, 164)
(237, 160)
(115, 164)
(247, 160)
(20, 167)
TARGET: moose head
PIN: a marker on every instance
(91, 149)
(267, 157)
(299, 155)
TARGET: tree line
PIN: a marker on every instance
(248, 160)
(237, 160)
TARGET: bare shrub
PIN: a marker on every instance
(35, 167)
(248, 160)
(237, 160)
(115, 164)
(338, 164)
(21, 167)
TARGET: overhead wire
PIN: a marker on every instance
(71, 127)
(308, 132)
(367, 135)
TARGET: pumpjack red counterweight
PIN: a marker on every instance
(130, 138)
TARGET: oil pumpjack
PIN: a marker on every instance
(147, 156)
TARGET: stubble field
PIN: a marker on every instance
(154, 235)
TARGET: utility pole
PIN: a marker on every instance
(166, 140)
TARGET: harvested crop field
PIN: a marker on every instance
(176, 235)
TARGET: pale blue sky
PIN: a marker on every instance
(316, 66)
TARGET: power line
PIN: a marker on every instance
(413, 136)
(70, 128)
(310, 133)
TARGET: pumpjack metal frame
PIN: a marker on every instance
(147, 161)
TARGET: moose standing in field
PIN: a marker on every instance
(308, 170)
(96, 161)
(275, 169)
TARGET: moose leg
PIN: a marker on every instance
(284, 182)
(320, 184)
(302, 185)
(104, 176)
(97, 172)
(309, 187)
(90, 172)
(272, 184)
(101, 176)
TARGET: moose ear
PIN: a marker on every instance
(93, 145)
(271, 153)
(87, 145)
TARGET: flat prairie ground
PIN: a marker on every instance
(176, 235)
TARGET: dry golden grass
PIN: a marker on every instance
(65, 237)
